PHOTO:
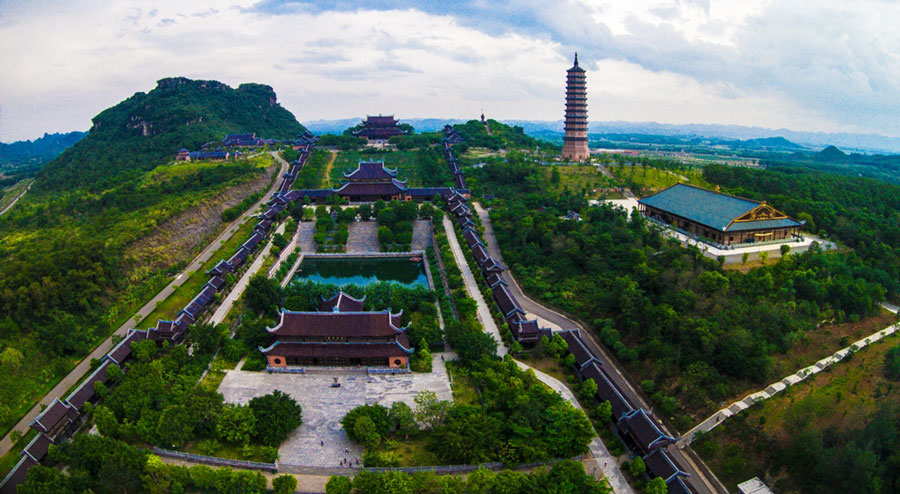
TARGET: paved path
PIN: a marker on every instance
(7, 208)
(103, 348)
(705, 485)
(225, 307)
(740, 405)
(604, 460)
(484, 314)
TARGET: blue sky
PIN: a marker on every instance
(821, 65)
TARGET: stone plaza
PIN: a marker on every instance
(321, 441)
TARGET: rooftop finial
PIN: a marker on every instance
(576, 59)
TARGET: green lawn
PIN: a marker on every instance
(651, 179)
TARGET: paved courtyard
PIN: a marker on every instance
(363, 237)
(421, 235)
(324, 406)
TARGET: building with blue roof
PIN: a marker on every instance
(721, 218)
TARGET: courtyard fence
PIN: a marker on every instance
(214, 460)
(438, 469)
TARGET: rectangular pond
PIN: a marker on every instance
(362, 271)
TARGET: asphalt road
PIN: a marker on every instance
(21, 194)
(83, 367)
(705, 485)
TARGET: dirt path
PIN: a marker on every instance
(326, 180)
(84, 366)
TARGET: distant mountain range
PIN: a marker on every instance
(38, 151)
(867, 143)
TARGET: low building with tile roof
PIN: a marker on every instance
(720, 218)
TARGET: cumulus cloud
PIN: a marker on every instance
(828, 65)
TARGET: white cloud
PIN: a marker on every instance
(776, 63)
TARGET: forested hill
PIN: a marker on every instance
(501, 136)
(147, 129)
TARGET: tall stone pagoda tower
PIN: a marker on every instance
(575, 147)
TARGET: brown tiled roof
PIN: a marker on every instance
(371, 170)
(341, 303)
(577, 348)
(606, 389)
(17, 475)
(471, 237)
(85, 391)
(344, 324)
(37, 448)
(52, 415)
(660, 464)
(493, 279)
(371, 188)
(480, 254)
(508, 304)
(646, 434)
(121, 351)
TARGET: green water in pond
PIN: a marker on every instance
(362, 272)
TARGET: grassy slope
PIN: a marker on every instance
(21, 388)
(842, 398)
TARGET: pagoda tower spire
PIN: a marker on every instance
(575, 142)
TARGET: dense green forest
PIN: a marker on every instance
(862, 213)
(65, 279)
(697, 330)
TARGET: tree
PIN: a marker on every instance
(892, 363)
(588, 389)
(637, 467)
(430, 410)
(236, 424)
(276, 415)
(763, 256)
(785, 248)
(603, 412)
(423, 358)
(11, 358)
(44, 480)
(403, 418)
(365, 431)
(287, 484)
(106, 422)
(206, 338)
(554, 175)
(364, 211)
(262, 295)
(379, 415)
(656, 486)
(385, 236)
(279, 242)
(744, 257)
(113, 373)
(338, 484)
(145, 350)
(175, 426)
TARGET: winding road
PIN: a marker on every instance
(702, 479)
(103, 348)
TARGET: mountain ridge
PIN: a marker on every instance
(147, 129)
